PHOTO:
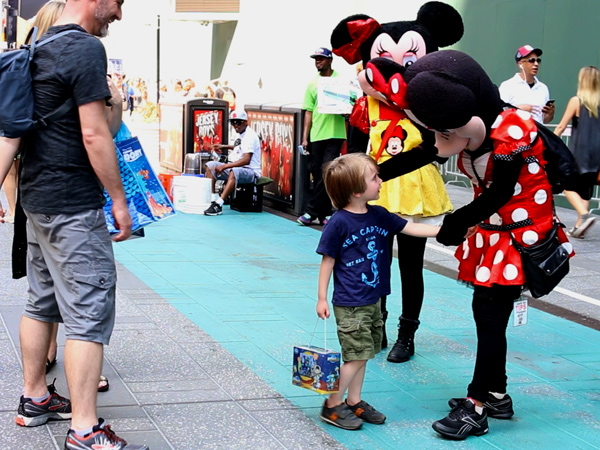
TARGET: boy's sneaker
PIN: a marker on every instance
(305, 219)
(213, 210)
(325, 220)
(101, 437)
(462, 421)
(341, 416)
(33, 414)
(367, 413)
(495, 408)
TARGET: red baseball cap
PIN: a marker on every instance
(526, 50)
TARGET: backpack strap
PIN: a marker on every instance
(69, 103)
(54, 115)
(51, 38)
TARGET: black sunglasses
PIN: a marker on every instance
(236, 122)
(534, 60)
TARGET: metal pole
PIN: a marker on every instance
(158, 60)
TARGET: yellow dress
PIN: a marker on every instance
(418, 193)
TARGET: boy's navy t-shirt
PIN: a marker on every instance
(359, 245)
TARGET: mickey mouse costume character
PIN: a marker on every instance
(418, 196)
(500, 151)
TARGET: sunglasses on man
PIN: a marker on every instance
(236, 122)
(533, 60)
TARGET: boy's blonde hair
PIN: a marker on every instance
(345, 176)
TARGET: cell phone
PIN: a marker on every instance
(550, 102)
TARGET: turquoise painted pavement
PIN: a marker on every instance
(250, 281)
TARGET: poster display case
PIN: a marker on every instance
(280, 131)
(191, 127)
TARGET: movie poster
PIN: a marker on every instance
(208, 129)
(276, 132)
(170, 121)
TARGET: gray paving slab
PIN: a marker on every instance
(213, 426)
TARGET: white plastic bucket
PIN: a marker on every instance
(191, 194)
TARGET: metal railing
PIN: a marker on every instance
(452, 175)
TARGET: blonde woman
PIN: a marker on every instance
(583, 111)
(47, 15)
(44, 19)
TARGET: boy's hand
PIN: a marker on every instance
(323, 309)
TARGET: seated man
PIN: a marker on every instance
(244, 162)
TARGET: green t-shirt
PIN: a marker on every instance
(324, 126)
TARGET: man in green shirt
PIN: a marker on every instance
(323, 137)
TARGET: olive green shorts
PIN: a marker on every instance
(360, 330)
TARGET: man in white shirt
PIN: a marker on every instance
(524, 90)
(244, 164)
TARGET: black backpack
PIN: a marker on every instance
(17, 115)
(561, 167)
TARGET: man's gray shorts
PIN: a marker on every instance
(71, 273)
(243, 175)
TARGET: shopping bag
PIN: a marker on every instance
(146, 197)
(316, 368)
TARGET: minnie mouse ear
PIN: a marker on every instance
(440, 101)
(443, 22)
(351, 34)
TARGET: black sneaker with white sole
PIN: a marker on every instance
(462, 421)
(33, 414)
(496, 408)
(213, 210)
(341, 416)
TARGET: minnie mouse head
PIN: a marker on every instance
(449, 92)
(387, 49)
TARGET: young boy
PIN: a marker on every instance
(354, 245)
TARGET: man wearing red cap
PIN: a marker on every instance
(524, 90)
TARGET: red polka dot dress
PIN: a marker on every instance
(489, 257)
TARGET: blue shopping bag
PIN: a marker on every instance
(146, 197)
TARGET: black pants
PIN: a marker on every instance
(321, 152)
(411, 251)
(491, 309)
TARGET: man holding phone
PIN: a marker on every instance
(524, 90)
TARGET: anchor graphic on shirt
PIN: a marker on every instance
(373, 252)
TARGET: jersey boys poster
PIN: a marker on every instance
(208, 129)
(276, 133)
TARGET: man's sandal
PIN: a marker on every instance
(103, 384)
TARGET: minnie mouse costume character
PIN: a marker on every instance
(500, 151)
(419, 196)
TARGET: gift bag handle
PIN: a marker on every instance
(315, 330)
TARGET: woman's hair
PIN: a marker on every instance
(345, 176)
(47, 15)
(588, 89)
